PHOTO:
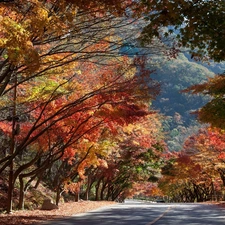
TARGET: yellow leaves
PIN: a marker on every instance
(42, 14)
(148, 126)
(41, 89)
(4, 101)
(18, 29)
(70, 16)
(134, 142)
(13, 32)
(106, 147)
(62, 59)
(39, 22)
(56, 25)
(129, 128)
(130, 73)
(16, 40)
(93, 154)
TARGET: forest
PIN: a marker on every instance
(97, 100)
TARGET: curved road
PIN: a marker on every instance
(142, 213)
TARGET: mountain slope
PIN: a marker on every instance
(174, 76)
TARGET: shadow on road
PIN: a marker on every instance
(139, 213)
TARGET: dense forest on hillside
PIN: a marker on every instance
(174, 76)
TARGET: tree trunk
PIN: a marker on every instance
(77, 196)
(38, 180)
(103, 190)
(12, 148)
(21, 195)
(58, 195)
(97, 186)
(86, 196)
(109, 191)
(222, 175)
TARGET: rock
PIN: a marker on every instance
(48, 205)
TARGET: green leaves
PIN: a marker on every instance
(200, 25)
(214, 111)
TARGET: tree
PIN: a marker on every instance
(49, 48)
(188, 180)
(213, 111)
(39, 36)
(135, 160)
(197, 25)
(198, 171)
(78, 106)
(207, 149)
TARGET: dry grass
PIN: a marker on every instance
(37, 216)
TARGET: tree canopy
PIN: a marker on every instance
(76, 94)
(198, 25)
(67, 93)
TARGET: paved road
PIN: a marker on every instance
(139, 213)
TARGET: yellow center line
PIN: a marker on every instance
(155, 220)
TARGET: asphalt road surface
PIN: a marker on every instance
(142, 213)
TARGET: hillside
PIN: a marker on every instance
(174, 76)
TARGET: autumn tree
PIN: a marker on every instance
(40, 36)
(187, 180)
(197, 172)
(78, 106)
(207, 148)
(136, 158)
(57, 67)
